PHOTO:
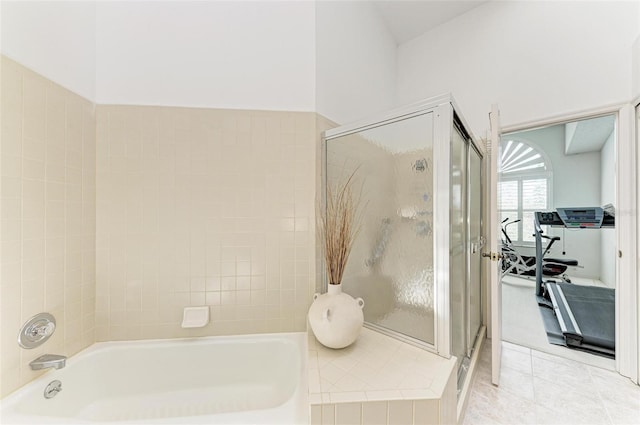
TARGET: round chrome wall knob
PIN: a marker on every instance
(36, 330)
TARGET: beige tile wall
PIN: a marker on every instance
(322, 124)
(391, 412)
(204, 207)
(47, 216)
(193, 207)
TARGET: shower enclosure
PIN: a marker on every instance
(416, 260)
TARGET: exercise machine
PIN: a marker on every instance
(576, 316)
(525, 265)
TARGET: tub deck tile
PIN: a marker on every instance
(376, 367)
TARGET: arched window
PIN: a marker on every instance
(525, 187)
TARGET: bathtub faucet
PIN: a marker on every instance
(47, 361)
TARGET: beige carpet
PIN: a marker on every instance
(522, 323)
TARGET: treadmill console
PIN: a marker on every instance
(550, 218)
(577, 218)
(582, 218)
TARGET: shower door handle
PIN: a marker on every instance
(494, 256)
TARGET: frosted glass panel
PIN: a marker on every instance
(391, 263)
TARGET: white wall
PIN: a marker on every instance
(569, 131)
(223, 54)
(535, 59)
(355, 61)
(608, 171)
(55, 39)
(608, 196)
(635, 70)
(635, 91)
(576, 183)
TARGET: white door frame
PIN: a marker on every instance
(636, 137)
(495, 284)
(627, 294)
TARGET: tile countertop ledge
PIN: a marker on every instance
(375, 368)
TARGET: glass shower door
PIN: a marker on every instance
(416, 261)
(475, 248)
(391, 263)
(465, 246)
(458, 238)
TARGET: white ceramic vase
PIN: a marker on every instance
(336, 318)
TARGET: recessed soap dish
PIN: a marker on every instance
(195, 317)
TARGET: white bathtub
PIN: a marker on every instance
(257, 379)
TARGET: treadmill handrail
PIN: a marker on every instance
(538, 236)
(572, 318)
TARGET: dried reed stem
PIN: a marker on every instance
(340, 225)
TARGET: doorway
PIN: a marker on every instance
(567, 164)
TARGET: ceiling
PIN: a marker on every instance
(407, 19)
(588, 135)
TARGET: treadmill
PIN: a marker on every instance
(575, 316)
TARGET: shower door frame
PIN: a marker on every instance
(443, 108)
(472, 283)
(471, 337)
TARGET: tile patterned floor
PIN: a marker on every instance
(539, 388)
